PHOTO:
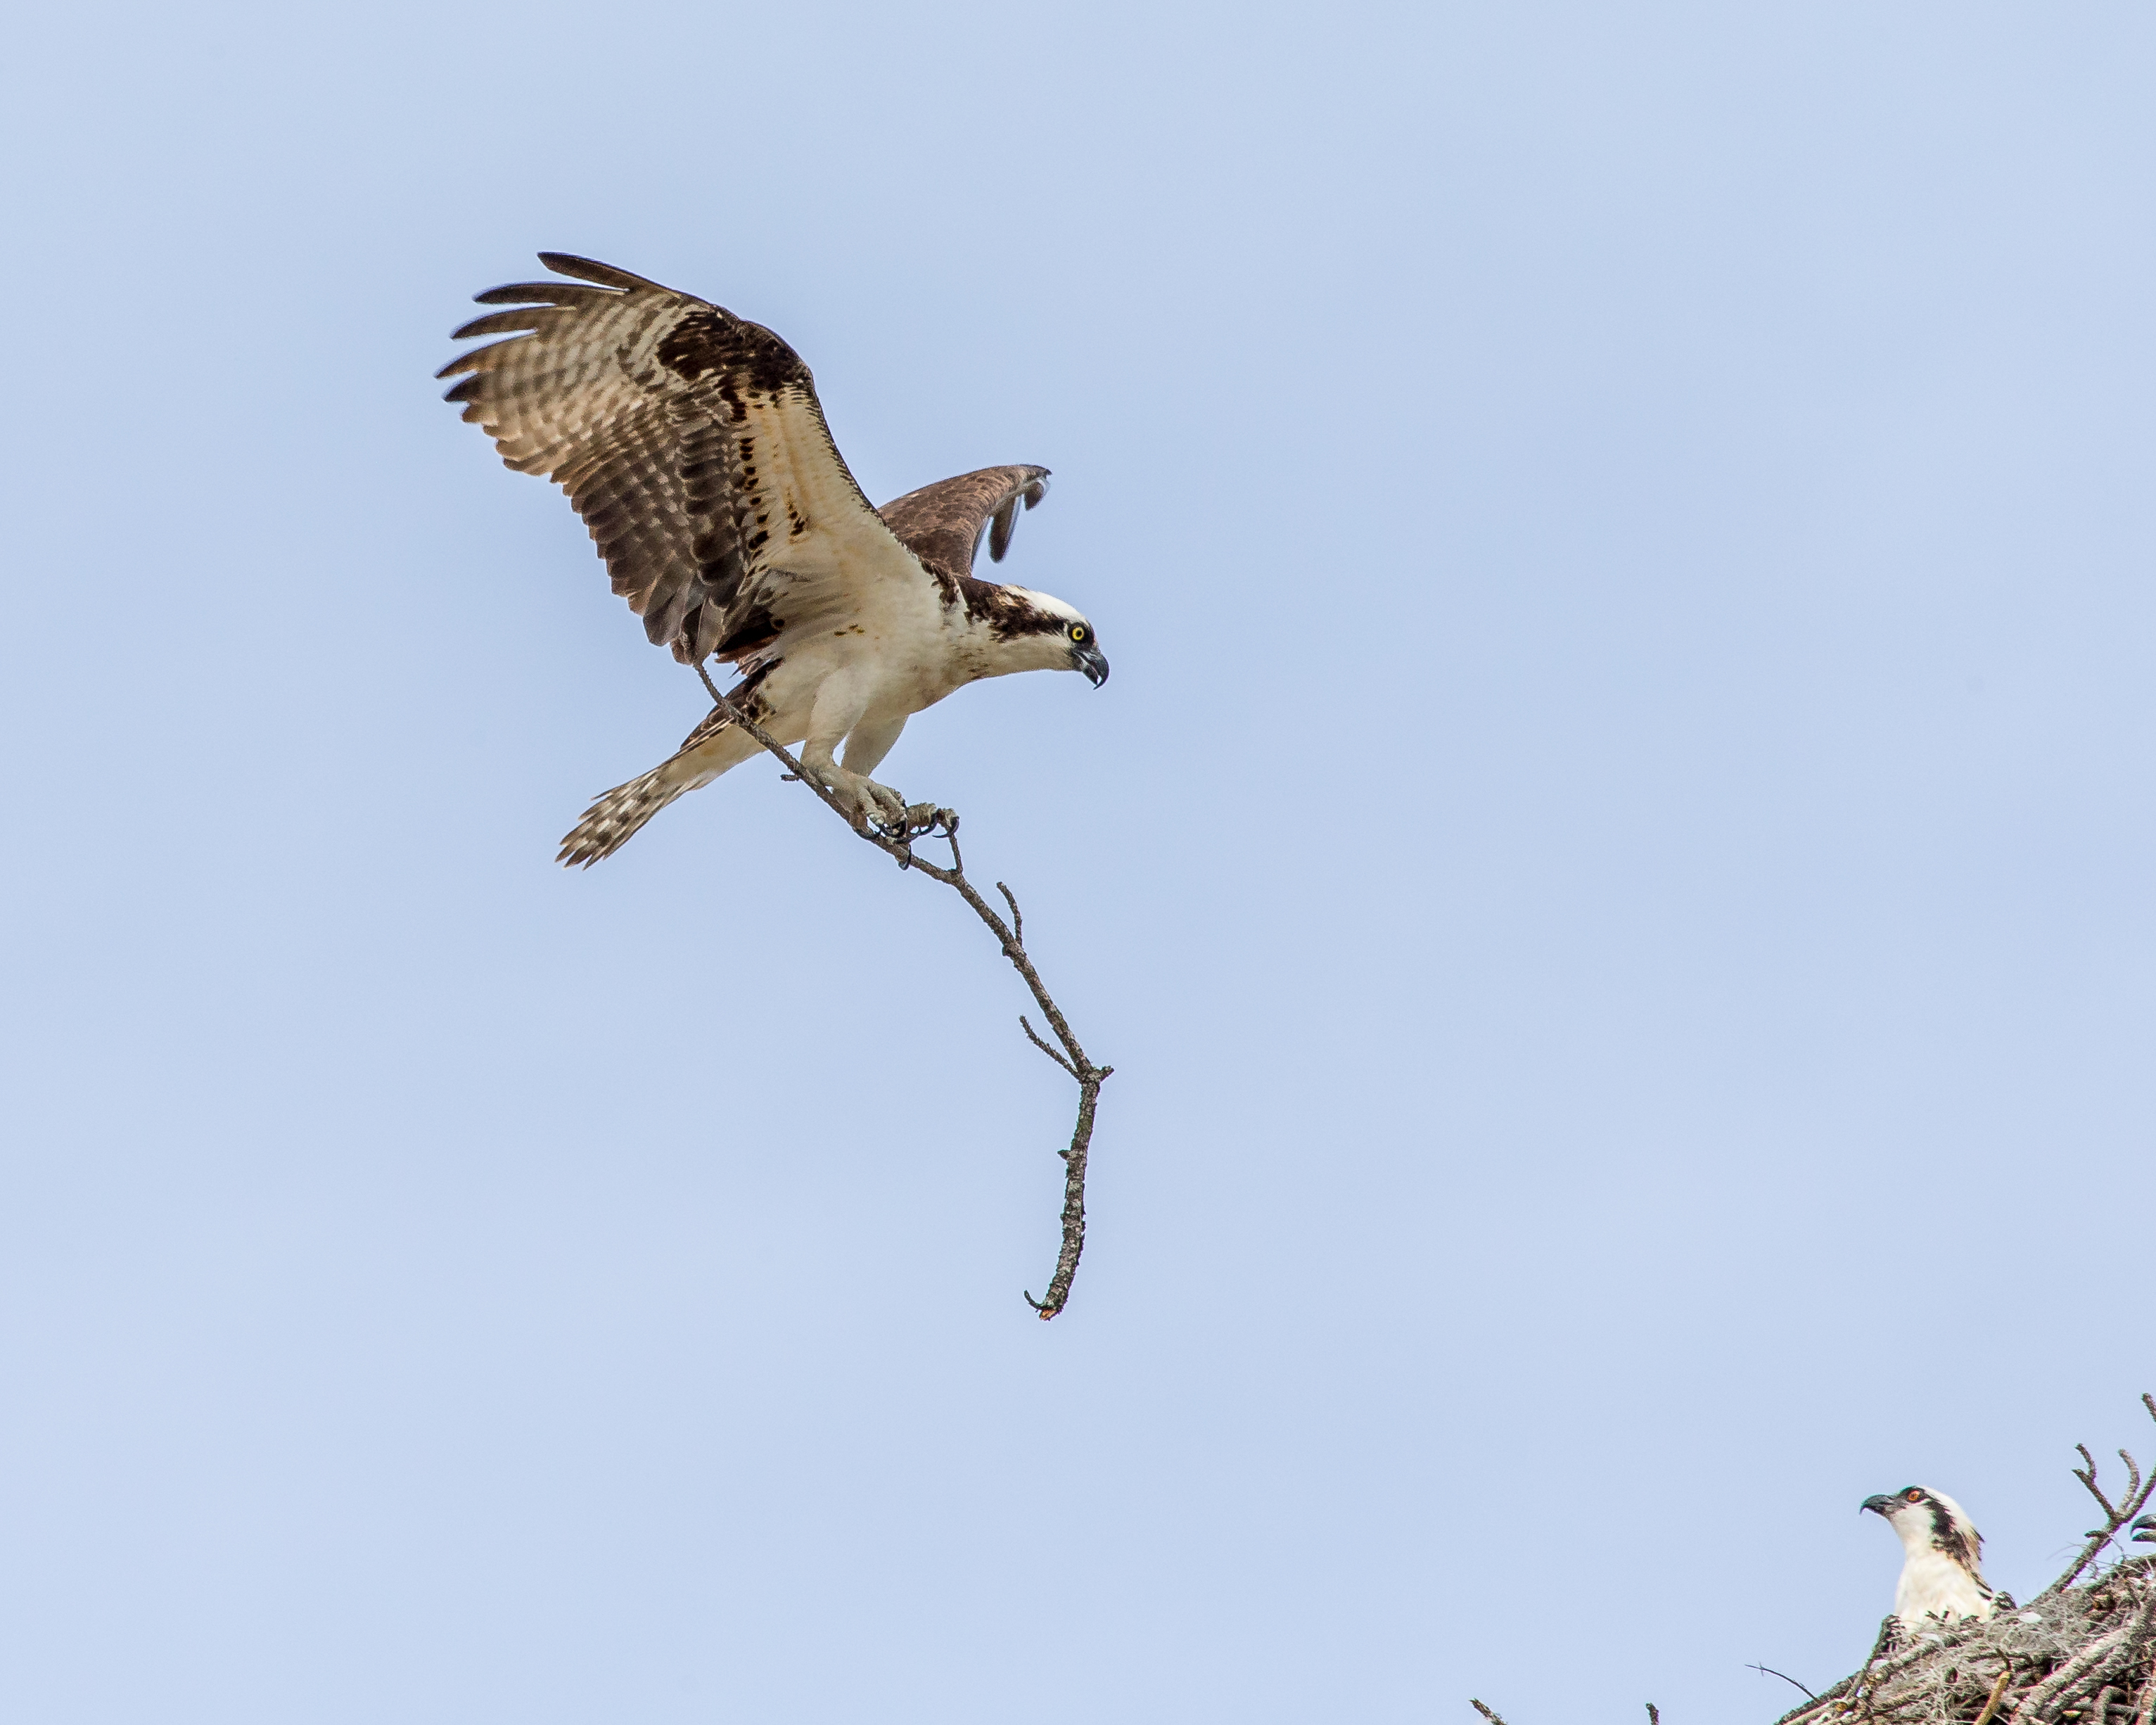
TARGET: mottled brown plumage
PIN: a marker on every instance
(942, 523)
(691, 443)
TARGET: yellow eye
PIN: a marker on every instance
(1077, 631)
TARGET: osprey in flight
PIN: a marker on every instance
(1939, 1577)
(690, 442)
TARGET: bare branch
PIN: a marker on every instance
(2144, 1704)
(896, 842)
(1074, 1193)
(2116, 1515)
(1768, 1670)
(1997, 1693)
(1033, 1037)
(1888, 1627)
(1489, 1713)
(2061, 1682)
(2088, 1478)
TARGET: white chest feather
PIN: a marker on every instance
(1932, 1584)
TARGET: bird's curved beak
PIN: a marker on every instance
(1883, 1505)
(1087, 659)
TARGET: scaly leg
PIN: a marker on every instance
(837, 714)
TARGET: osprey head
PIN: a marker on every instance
(1929, 1521)
(1037, 631)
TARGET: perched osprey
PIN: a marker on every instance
(1939, 1577)
(690, 442)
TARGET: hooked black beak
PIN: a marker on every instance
(1087, 659)
(1884, 1506)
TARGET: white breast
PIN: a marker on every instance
(1933, 1582)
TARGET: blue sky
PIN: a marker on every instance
(1613, 870)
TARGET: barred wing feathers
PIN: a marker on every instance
(942, 524)
(691, 443)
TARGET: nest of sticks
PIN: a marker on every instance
(2082, 1652)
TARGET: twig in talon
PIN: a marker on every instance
(1073, 1060)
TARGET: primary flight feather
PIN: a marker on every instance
(691, 443)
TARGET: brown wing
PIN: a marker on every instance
(942, 523)
(691, 443)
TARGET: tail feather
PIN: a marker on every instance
(712, 748)
(614, 818)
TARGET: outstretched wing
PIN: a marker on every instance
(691, 443)
(942, 524)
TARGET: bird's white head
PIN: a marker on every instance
(1037, 631)
(1929, 1521)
